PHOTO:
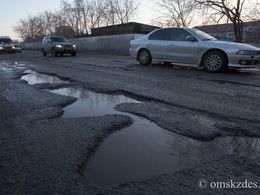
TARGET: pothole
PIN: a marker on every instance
(33, 77)
(91, 104)
(143, 150)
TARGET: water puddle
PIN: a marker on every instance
(4, 68)
(9, 67)
(90, 103)
(12, 64)
(143, 150)
(33, 77)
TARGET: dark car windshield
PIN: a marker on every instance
(203, 36)
(59, 39)
(5, 40)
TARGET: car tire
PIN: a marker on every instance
(144, 57)
(54, 53)
(167, 63)
(43, 52)
(74, 54)
(215, 61)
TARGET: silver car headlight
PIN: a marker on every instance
(59, 46)
(74, 46)
(246, 52)
(1, 47)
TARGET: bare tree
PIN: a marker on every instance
(231, 9)
(254, 14)
(78, 15)
(70, 15)
(109, 13)
(125, 9)
(118, 11)
(22, 29)
(51, 21)
(96, 13)
(31, 28)
(178, 12)
(83, 8)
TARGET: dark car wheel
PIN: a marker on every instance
(215, 61)
(43, 52)
(74, 54)
(144, 57)
(54, 53)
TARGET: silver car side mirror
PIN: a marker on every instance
(190, 38)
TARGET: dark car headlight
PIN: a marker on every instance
(59, 46)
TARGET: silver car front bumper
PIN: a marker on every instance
(243, 61)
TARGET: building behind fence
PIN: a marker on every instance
(226, 32)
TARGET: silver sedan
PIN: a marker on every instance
(190, 46)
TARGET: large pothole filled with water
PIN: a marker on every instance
(142, 150)
(33, 77)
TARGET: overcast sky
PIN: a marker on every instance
(13, 10)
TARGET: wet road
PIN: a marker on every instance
(234, 94)
(193, 116)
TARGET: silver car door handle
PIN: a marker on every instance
(171, 45)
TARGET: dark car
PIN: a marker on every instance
(6, 45)
(17, 48)
(57, 45)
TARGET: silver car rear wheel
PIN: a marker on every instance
(144, 57)
(215, 61)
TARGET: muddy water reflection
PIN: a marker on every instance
(144, 150)
(33, 77)
(90, 103)
(9, 67)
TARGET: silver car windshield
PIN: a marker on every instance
(203, 36)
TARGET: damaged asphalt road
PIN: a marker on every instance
(42, 152)
(197, 125)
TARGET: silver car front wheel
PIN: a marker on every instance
(215, 61)
(144, 57)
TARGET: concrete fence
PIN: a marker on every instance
(118, 44)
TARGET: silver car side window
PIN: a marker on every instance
(163, 35)
(178, 34)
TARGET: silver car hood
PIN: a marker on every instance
(230, 45)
